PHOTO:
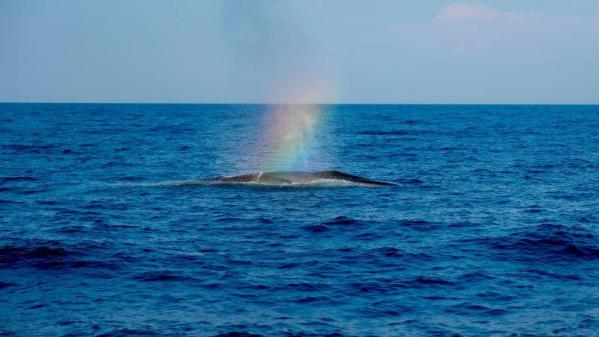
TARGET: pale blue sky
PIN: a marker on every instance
(379, 51)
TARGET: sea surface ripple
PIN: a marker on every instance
(492, 229)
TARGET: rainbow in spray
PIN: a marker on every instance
(292, 132)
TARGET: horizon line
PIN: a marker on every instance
(289, 103)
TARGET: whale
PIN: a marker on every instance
(288, 178)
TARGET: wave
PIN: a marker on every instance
(6, 285)
(129, 332)
(28, 148)
(238, 334)
(16, 178)
(385, 309)
(469, 309)
(339, 221)
(409, 181)
(316, 228)
(163, 276)
(342, 220)
(401, 132)
(431, 281)
(14, 202)
(552, 242)
(392, 285)
(47, 255)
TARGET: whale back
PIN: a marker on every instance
(338, 175)
(296, 178)
(245, 178)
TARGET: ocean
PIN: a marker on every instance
(490, 230)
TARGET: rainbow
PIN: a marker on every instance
(291, 131)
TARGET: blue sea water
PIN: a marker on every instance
(491, 230)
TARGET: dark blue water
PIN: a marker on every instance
(492, 229)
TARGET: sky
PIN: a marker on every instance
(308, 51)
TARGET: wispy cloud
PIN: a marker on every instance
(468, 12)
(472, 29)
(521, 52)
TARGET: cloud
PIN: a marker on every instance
(473, 13)
(535, 56)
(467, 12)
(476, 30)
